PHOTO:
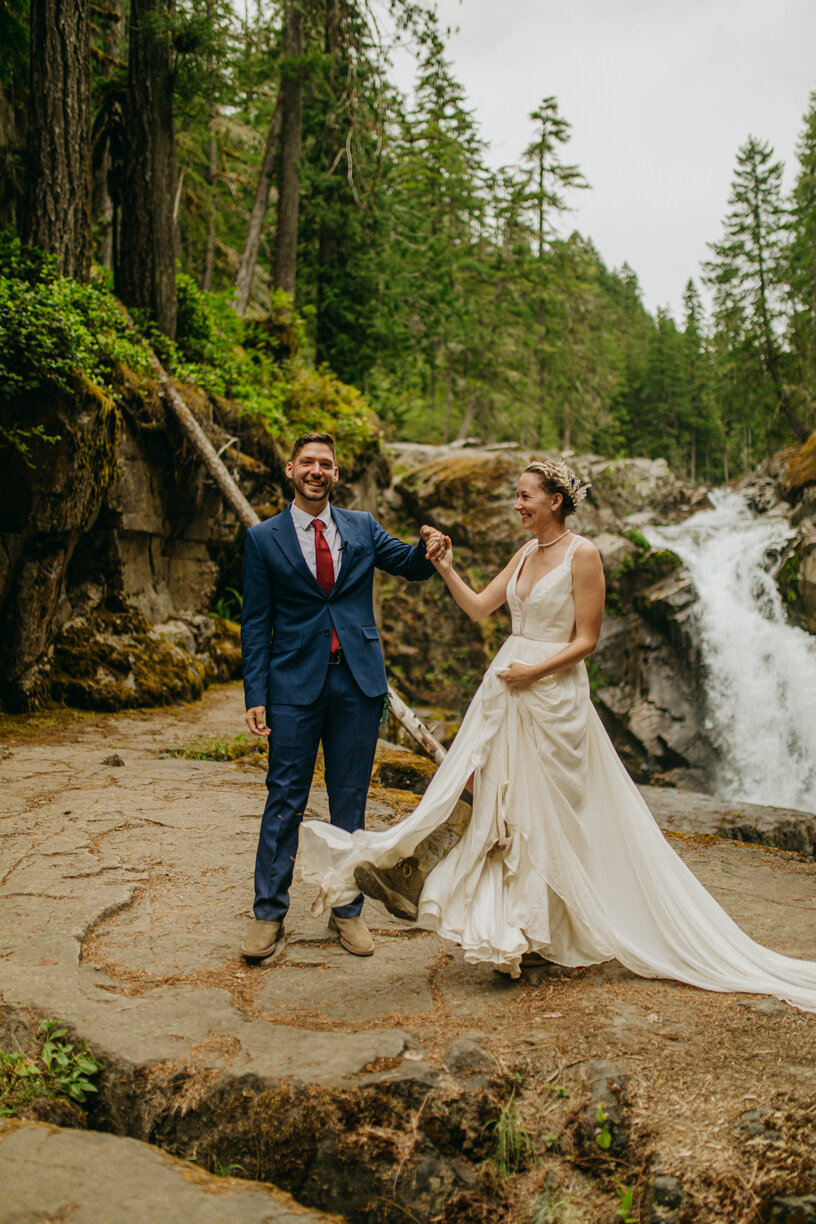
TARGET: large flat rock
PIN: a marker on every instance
(124, 893)
(82, 1177)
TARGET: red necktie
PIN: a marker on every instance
(325, 569)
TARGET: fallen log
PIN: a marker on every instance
(243, 511)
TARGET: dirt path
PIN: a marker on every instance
(372, 1087)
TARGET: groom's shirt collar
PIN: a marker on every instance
(303, 519)
(304, 531)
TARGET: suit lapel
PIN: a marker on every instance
(286, 538)
(346, 531)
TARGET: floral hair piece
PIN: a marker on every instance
(559, 474)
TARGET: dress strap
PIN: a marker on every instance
(573, 545)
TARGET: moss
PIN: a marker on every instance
(110, 661)
(787, 579)
(801, 465)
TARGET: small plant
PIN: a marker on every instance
(224, 1170)
(61, 1069)
(624, 1208)
(513, 1146)
(219, 750)
(229, 605)
(603, 1135)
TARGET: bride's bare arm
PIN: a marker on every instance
(477, 604)
(588, 591)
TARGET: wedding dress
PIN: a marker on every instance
(562, 855)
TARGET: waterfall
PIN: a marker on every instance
(760, 672)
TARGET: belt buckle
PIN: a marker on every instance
(335, 657)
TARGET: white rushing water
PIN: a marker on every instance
(761, 671)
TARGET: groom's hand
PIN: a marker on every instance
(256, 720)
(436, 543)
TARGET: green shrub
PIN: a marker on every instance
(55, 331)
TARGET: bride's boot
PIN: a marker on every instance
(399, 887)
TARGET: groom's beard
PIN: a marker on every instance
(315, 489)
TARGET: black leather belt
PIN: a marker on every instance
(336, 657)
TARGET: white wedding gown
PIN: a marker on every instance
(561, 855)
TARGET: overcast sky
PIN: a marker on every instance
(660, 95)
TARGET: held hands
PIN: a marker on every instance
(518, 676)
(256, 720)
(438, 548)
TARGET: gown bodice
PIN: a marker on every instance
(548, 612)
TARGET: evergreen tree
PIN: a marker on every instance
(744, 275)
(801, 266)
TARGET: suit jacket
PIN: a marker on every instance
(287, 617)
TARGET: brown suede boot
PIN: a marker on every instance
(400, 887)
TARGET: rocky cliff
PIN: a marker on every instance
(115, 548)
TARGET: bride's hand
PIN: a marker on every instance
(438, 547)
(518, 676)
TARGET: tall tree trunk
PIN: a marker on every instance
(285, 262)
(212, 172)
(57, 208)
(327, 259)
(467, 420)
(249, 255)
(449, 400)
(145, 275)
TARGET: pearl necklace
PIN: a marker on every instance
(550, 543)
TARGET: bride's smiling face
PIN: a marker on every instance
(538, 509)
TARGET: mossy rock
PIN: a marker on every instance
(800, 466)
(400, 770)
(111, 661)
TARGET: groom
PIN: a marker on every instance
(314, 671)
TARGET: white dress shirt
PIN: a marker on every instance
(306, 536)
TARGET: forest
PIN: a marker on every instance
(286, 229)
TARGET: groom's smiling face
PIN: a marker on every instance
(314, 473)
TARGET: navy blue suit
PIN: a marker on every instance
(286, 627)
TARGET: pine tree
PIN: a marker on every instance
(801, 265)
(744, 272)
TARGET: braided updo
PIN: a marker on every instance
(555, 476)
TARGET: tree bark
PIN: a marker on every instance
(249, 255)
(57, 207)
(285, 262)
(145, 275)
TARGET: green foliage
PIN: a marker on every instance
(220, 750)
(54, 330)
(637, 538)
(229, 606)
(61, 1069)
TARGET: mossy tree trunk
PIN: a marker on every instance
(145, 272)
(57, 201)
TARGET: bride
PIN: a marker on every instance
(560, 858)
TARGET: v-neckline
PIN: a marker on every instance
(529, 553)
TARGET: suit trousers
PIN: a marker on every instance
(347, 722)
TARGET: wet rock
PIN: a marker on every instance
(752, 1126)
(404, 770)
(793, 1209)
(667, 1200)
(464, 1058)
(686, 812)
